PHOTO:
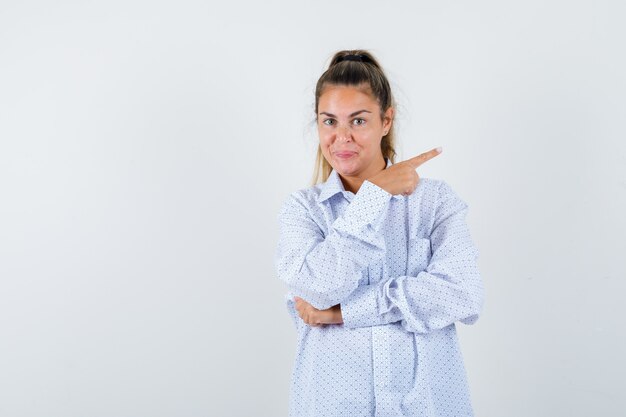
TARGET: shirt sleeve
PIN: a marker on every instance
(325, 269)
(450, 289)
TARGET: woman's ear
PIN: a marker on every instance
(388, 119)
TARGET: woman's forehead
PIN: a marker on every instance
(345, 98)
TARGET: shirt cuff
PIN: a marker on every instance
(366, 208)
(360, 309)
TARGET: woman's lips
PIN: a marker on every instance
(344, 155)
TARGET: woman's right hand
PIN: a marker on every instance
(401, 178)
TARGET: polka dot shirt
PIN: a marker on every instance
(404, 271)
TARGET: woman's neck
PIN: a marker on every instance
(353, 183)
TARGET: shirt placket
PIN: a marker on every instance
(381, 360)
(381, 346)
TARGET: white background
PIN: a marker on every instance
(146, 146)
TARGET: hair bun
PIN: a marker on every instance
(354, 56)
(357, 58)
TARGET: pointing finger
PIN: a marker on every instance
(418, 160)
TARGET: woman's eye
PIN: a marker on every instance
(358, 121)
(329, 122)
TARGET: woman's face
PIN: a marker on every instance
(350, 130)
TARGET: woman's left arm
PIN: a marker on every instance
(450, 289)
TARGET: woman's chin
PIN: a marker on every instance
(346, 169)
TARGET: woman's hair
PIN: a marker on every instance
(355, 68)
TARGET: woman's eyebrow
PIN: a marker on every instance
(351, 115)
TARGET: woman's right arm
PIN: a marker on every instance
(325, 269)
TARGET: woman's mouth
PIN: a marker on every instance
(344, 154)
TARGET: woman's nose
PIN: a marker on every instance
(344, 134)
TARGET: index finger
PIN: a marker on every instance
(418, 160)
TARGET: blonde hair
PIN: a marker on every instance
(355, 68)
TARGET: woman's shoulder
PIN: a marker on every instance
(436, 199)
(430, 187)
(434, 192)
(428, 184)
(304, 198)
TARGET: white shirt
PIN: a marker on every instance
(404, 271)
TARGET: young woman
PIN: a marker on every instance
(379, 264)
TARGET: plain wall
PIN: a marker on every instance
(146, 146)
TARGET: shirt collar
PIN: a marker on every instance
(333, 185)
